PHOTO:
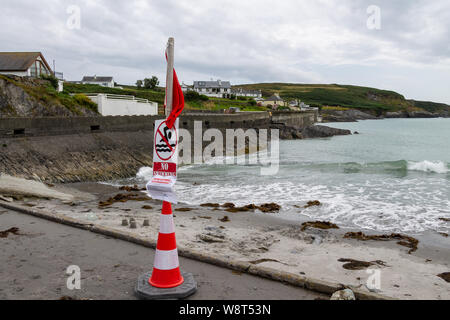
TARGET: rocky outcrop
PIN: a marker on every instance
(323, 132)
(422, 114)
(399, 114)
(414, 114)
(351, 115)
(314, 131)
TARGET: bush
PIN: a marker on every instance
(85, 102)
(195, 96)
(53, 81)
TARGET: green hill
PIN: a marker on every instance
(347, 96)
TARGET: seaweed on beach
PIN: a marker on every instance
(122, 198)
(267, 208)
(403, 240)
(351, 264)
(228, 205)
(183, 209)
(4, 234)
(131, 188)
(445, 219)
(147, 207)
(314, 203)
(225, 219)
(324, 225)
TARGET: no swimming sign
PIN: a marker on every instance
(165, 159)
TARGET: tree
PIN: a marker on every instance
(139, 84)
(151, 83)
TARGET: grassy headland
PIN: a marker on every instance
(345, 96)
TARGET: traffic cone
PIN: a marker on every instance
(166, 269)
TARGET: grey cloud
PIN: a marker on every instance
(241, 41)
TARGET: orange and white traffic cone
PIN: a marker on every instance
(166, 269)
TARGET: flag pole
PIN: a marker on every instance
(169, 76)
(169, 82)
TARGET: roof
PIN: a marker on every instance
(19, 61)
(274, 98)
(212, 84)
(97, 79)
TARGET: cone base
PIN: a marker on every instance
(144, 290)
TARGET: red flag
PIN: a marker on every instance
(177, 101)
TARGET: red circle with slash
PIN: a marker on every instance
(165, 140)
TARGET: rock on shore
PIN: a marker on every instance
(314, 131)
(351, 115)
(323, 132)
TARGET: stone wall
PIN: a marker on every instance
(101, 148)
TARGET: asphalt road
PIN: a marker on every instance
(34, 263)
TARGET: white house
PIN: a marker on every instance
(101, 81)
(216, 89)
(24, 64)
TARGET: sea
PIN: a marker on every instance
(394, 176)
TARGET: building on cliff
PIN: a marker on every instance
(274, 102)
(215, 89)
(101, 81)
(24, 64)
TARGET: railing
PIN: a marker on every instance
(119, 97)
(59, 75)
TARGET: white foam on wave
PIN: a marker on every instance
(383, 206)
(428, 166)
(145, 173)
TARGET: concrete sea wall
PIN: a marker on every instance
(75, 149)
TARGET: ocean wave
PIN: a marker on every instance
(400, 166)
(145, 173)
(428, 166)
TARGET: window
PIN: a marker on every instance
(38, 68)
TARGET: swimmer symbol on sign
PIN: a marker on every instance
(166, 141)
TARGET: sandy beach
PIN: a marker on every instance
(267, 240)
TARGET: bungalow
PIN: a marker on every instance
(274, 101)
(24, 64)
(101, 81)
(216, 89)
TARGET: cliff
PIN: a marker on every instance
(27, 97)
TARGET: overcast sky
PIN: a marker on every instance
(321, 41)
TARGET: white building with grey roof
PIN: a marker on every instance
(214, 89)
(101, 81)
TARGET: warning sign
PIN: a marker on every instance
(165, 160)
